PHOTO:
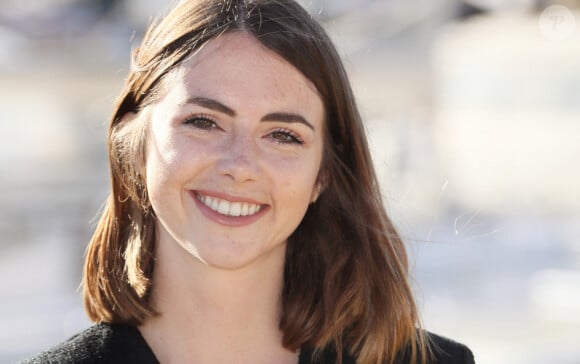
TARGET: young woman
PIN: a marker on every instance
(245, 222)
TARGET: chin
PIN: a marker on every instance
(238, 259)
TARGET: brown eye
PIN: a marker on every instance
(201, 122)
(285, 136)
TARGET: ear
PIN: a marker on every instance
(319, 187)
(316, 191)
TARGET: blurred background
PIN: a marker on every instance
(473, 114)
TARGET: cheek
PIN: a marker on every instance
(166, 163)
(160, 160)
(296, 178)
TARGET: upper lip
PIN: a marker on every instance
(227, 197)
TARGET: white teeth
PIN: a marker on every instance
(228, 208)
(224, 207)
(235, 209)
(252, 209)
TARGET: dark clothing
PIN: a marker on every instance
(101, 343)
(121, 344)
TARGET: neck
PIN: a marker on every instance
(215, 315)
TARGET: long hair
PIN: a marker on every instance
(346, 270)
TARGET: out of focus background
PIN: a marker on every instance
(473, 114)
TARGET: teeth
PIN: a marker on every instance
(252, 209)
(228, 208)
(224, 207)
(235, 209)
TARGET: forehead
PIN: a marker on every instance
(237, 65)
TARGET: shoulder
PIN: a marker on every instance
(440, 350)
(101, 343)
(444, 350)
(448, 351)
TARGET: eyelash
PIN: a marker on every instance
(194, 120)
(287, 135)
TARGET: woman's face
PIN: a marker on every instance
(233, 153)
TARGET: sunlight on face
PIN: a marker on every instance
(233, 154)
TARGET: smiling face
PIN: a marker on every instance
(233, 153)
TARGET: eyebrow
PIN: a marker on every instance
(287, 118)
(211, 104)
(283, 117)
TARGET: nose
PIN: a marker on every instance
(239, 160)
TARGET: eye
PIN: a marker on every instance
(201, 122)
(285, 136)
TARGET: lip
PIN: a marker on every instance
(225, 196)
(235, 221)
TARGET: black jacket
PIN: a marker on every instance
(120, 344)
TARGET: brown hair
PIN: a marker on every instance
(345, 279)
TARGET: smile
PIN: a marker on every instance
(228, 208)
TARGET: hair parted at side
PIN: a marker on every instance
(345, 279)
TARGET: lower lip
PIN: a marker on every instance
(228, 220)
